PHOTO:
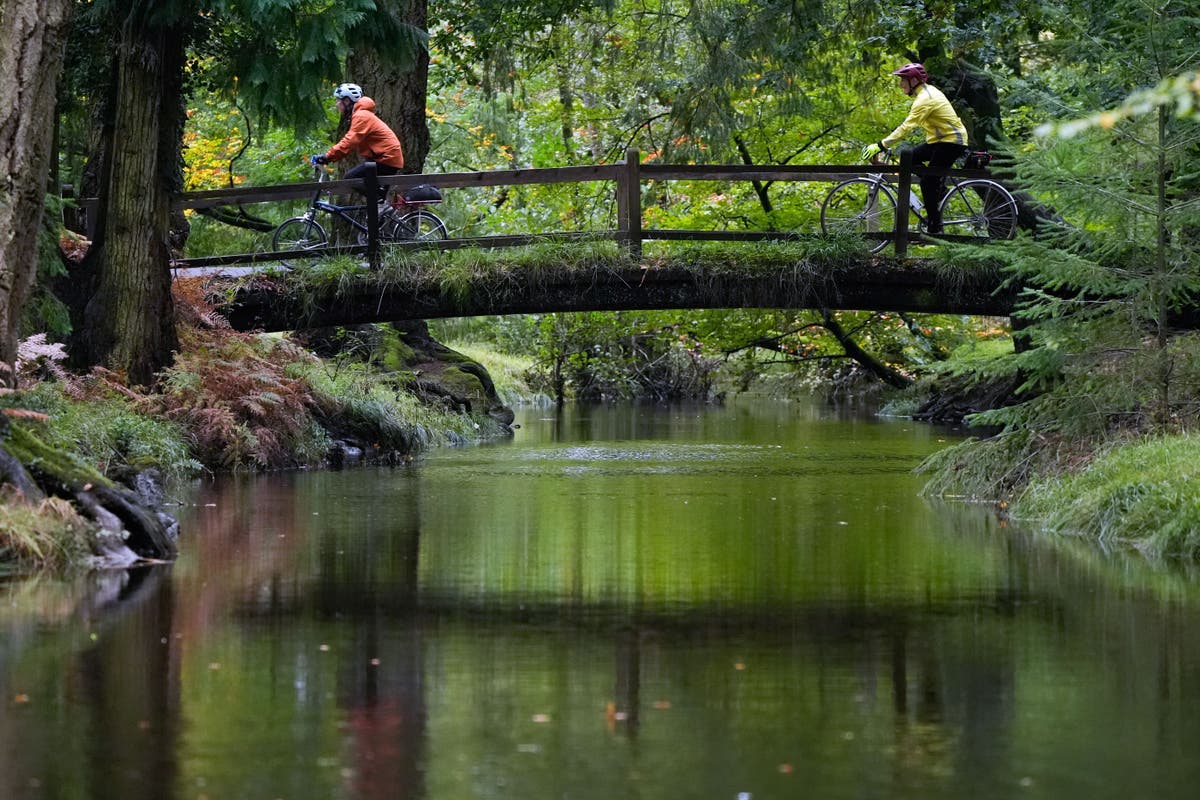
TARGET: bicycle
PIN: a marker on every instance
(404, 219)
(976, 207)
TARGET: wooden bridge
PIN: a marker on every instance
(626, 281)
(881, 284)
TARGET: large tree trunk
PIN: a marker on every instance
(399, 89)
(31, 37)
(129, 321)
(967, 86)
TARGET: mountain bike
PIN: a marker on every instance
(976, 207)
(402, 219)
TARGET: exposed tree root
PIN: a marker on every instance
(128, 529)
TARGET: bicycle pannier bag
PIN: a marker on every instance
(977, 159)
(423, 194)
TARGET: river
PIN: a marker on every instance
(737, 603)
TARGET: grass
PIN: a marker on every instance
(455, 273)
(377, 409)
(49, 535)
(1145, 494)
(107, 432)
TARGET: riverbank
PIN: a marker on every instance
(1143, 494)
(230, 402)
(1128, 486)
(241, 402)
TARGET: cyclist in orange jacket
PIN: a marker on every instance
(374, 140)
(945, 136)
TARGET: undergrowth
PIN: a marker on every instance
(352, 398)
(232, 393)
(50, 534)
(1145, 494)
(103, 426)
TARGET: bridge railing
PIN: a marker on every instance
(628, 176)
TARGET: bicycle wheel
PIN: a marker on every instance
(862, 206)
(417, 226)
(979, 208)
(298, 233)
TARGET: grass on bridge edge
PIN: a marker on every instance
(455, 273)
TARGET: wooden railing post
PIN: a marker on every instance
(900, 233)
(629, 204)
(370, 180)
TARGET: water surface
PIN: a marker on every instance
(741, 602)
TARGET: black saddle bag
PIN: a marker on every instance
(423, 194)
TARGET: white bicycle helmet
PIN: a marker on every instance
(352, 91)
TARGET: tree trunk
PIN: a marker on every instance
(975, 89)
(31, 37)
(129, 322)
(862, 357)
(566, 93)
(399, 89)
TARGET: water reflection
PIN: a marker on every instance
(773, 612)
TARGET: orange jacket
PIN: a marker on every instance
(374, 140)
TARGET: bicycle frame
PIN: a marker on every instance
(340, 212)
(915, 203)
(972, 207)
(333, 209)
(398, 206)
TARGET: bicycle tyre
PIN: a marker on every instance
(298, 233)
(862, 206)
(417, 226)
(980, 208)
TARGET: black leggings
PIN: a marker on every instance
(933, 187)
(382, 170)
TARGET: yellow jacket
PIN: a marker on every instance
(933, 112)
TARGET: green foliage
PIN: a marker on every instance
(1144, 494)
(106, 431)
(44, 312)
(1102, 288)
(282, 58)
(622, 355)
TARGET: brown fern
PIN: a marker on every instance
(231, 392)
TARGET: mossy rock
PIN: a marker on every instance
(392, 351)
(441, 376)
(461, 383)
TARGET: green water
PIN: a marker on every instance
(740, 602)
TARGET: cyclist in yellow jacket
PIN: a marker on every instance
(945, 136)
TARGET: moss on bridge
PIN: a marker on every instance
(812, 273)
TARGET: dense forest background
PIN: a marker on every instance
(244, 96)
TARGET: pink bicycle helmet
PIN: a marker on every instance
(913, 71)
